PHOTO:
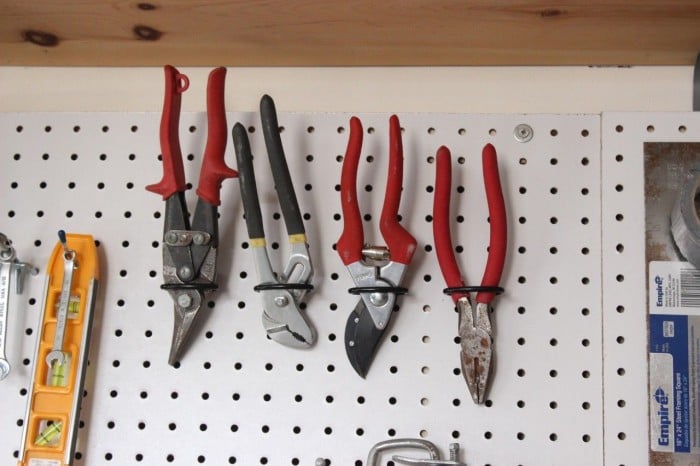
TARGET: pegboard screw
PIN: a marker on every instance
(523, 133)
(198, 239)
(281, 301)
(184, 300)
(378, 299)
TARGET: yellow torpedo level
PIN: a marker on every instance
(51, 424)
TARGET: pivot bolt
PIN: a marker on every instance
(198, 239)
(184, 300)
(185, 273)
(171, 237)
(378, 299)
(281, 301)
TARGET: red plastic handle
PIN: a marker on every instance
(441, 222)
(214, 170)
(173, 171)
(497, 217)
(400, 242)
(351, 240)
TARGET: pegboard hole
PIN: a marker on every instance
(553, 132)
(619, 128)
(461, 131)
(682, 129)
(492, 132)
(584, 133)
(650, 128)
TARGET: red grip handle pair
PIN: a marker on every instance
(400, 242)
(497, 219)
(213, 170)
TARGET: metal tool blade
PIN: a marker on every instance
(361, 339)
(182, 325)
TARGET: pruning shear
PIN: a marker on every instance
(189, 249)
(376, 271)
(281, 294)
(474, 322)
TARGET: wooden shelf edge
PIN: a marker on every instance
(359, 33)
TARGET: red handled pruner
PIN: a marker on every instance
(376, 271)
(474, 321)
(189, 249)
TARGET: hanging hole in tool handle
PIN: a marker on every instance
(183, 83)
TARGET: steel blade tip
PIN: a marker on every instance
(361, 339)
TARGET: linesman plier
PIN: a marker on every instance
(474, 322)
(376, 271)
(281, 294)
(189, 249)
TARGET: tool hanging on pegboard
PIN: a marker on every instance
(475, 330)
(282, 294)
(376, 271)
(190, 246)
(53, 411)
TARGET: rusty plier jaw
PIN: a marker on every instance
(476, 346)
(474, 326)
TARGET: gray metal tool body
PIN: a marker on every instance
(282, 293)
(11, 270)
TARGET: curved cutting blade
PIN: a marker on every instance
(361, 339)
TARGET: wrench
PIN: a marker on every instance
(9, 266)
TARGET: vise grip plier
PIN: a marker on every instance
(189, 248)
(282, 293)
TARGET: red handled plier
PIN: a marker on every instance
(474, 322)
(376, 271)
(189, 250)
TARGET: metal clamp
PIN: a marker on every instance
(405, 443)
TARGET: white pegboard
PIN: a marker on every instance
(624, 277)
(238, 398)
